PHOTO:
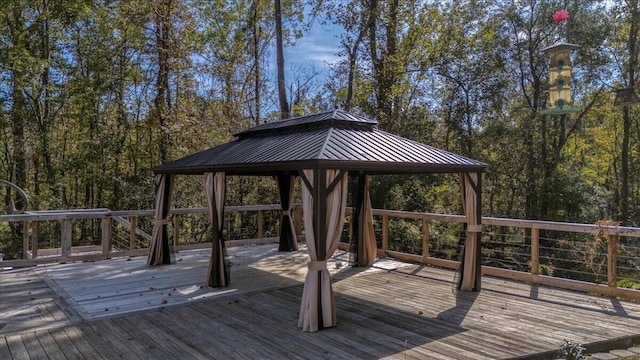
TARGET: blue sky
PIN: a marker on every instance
(314, 52)
(317, 47)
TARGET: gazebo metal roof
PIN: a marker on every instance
(332, 139)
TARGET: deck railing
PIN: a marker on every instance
(599, 258)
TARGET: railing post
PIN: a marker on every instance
(107, 235)
(535, 251)
(176, 229)
(133, 224)
(385, 232)
(25, 239)
(260, 224)
(612, 259)
(425, 240)
(34, 239)
(66, 236)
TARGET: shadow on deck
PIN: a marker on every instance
(122, 308)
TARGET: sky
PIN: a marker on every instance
(317, 48)
(314, 52)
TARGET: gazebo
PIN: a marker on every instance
(324, 150)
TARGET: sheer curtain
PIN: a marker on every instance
(317, 308)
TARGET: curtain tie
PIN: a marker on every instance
(162, 221)
(286, 213)
(317, 265)
(474, 228)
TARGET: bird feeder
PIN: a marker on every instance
(560, 73)
(560, 79)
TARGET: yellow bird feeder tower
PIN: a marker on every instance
(560, 79)
(560, 74)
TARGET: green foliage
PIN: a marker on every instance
(571, 351)
(628, 283)
(87, 109)
(405, 235)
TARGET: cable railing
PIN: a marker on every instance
(598, 258)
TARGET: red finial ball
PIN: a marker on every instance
(560, 16)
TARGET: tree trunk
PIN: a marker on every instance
(162, 100)
(256, 35)
(632, 48)
(282, 89)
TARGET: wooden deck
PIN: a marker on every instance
(121, 308)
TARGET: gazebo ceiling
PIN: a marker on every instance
(332, 139)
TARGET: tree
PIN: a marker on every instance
(282, 88)
(545, 136)
(628, 15)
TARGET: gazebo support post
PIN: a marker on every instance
(320, 228)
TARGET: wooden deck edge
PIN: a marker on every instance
(622, 342)
(568, 284)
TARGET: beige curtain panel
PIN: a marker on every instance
(318, 275)
(159, 249)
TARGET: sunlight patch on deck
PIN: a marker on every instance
(125, 285)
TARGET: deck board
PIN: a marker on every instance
(122, 308)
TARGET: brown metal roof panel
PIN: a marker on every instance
(426, 153)
(355, 146)
(385, 147)
(277, 148)
(286, 147)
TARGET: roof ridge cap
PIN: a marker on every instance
(326, 141)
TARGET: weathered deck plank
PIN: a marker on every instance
(98, 341)
(398, 311)
(28, 303)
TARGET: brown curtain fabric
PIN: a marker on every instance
(368, 235)
(160, 253)
(363, 242)
(317, 309)
(214, 188)
(288, 241)
(471, 265)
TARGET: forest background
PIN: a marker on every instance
(95, 93)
